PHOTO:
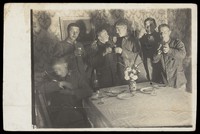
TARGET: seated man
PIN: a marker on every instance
(103, 59)
(65, 93)
(171, 54)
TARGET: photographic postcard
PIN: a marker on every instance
(32, 33)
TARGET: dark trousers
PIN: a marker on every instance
(67, 112)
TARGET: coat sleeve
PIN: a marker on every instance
(96, 57)
(139, 48)
(45, 85)
(132, 46)
(178, 51)
(49, 87)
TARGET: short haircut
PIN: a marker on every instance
(122, 22)
(58, 61)
(72, 25)
(100, 29)
(126, 23)
(150, 19)
(163, 25)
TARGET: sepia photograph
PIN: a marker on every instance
(105, 67)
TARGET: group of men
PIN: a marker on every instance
(159, 57)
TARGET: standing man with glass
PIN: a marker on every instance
(70, 46)
(149, 45)
(128, 50)
(103, 59)
(171, 54)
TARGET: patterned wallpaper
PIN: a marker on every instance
(136, 17)
(180, 23)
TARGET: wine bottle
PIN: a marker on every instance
(96, 81)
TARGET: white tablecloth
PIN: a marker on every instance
(169, 107)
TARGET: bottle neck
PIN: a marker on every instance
(96, 82)
(95, 74)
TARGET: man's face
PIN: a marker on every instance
(149, 27)
(121, 30)
(164, 33)
(103, 36)
(61, 69)
(73, 33)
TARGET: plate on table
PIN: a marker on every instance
(112, 92)
(95, 96)
(98, 95)
(147, 90)
(125, 96)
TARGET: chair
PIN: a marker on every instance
(42, 106)
(88, 119)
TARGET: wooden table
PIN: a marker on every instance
(168, 108)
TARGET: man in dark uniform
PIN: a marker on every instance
(70, 46)
(103, 59)
(65, 91)
(149, 45)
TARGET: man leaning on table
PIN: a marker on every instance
(171, 54)
(65, 89)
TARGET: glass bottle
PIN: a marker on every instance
(95, 82)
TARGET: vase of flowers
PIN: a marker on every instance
(132, 86)
(131, 75)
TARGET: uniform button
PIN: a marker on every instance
(75, 107)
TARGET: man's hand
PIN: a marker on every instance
(118, 50)
(65, 85)
(108, 50)
(165, 48)
(78, 51)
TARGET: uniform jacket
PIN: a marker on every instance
(172, 64)
(65, 109)
(106, 66)
(149, 45)
(131, 54)
(65, 49)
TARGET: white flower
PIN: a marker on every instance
(128, 69)
(135, 77)
(131, 75)
(134, 71)
(127, 78)
(126, 73)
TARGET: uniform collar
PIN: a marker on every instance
(70, 41)
(167, 41)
